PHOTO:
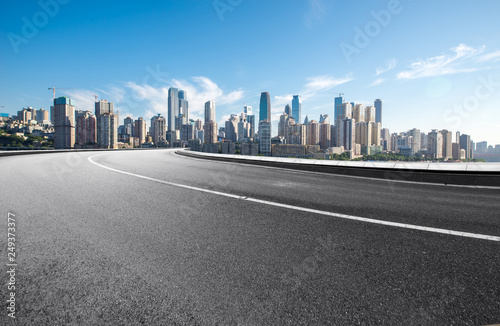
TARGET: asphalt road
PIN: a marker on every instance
(100, 247)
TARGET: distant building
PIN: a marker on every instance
(158, 130)
(107, 131)
(64, 123)
(378, 110)
(265, 108)
(265, 137)
(140, 131)
(86, 129)
(296, 108)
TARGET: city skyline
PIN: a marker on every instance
(447, 77)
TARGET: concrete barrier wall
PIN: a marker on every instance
(470, 174)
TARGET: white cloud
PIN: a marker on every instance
(458, 62)
(489, 57)
(391, 64)
(321, 84)
(84, 99)
(377, 82)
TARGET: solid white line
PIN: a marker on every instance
(341, 175)
(309, 210)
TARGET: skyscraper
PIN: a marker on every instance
(107, 130)
(378, 110)
(466, 144)
(107, 126)
(336, 107)
(435, 144)
(250, 119)
(370, 114)
(64, 123)
(209, 111)
(265, 107)
(158, 129)
(265, 137)
(348, 136)
(173, 107)
(447, 144)
(140, 131)
(297, 108)
(86, 129)
(344, 111)
(182, 116)
(288, 110)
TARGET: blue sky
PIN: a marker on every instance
(434, 64)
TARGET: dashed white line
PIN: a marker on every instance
(303, 209)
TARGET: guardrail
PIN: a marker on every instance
(469, 174)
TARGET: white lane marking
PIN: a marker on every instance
(309, 210)
(340, 175)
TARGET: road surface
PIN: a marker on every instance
(152, 237)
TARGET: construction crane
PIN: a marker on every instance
(95, 96)
(54, 89)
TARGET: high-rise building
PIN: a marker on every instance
(158, 130)
(358, 113)
(231, 128)
(282, 124)
(363, 133)
(128, 125)
(325, 136)
(343, 111)
(288, 110)
(183, 115)
(385, 136)
(140, 131)
(313, 133)
(265, 137)
(416, 140)
(210, 132)
(435, 144)
(466, 144)
(173, 108)
(296, 108)
(250, 119)
(42, 116)
(370, 114)
(447, 144)
(378, 110)
(86, 129)
(64, 123)
(376, 128)
(243, 127)
(106, 137)
(337, 107)
(348, 136)
(103, 107)
(265, 107)
(187, 132)
(209, 111)
(482, 147)
(107, 130)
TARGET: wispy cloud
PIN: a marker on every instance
(462, 59)
(313, 87)
(391, 64)
(489, 57)
(315, 13)
(377, 82)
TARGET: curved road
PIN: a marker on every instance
(152, 237)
